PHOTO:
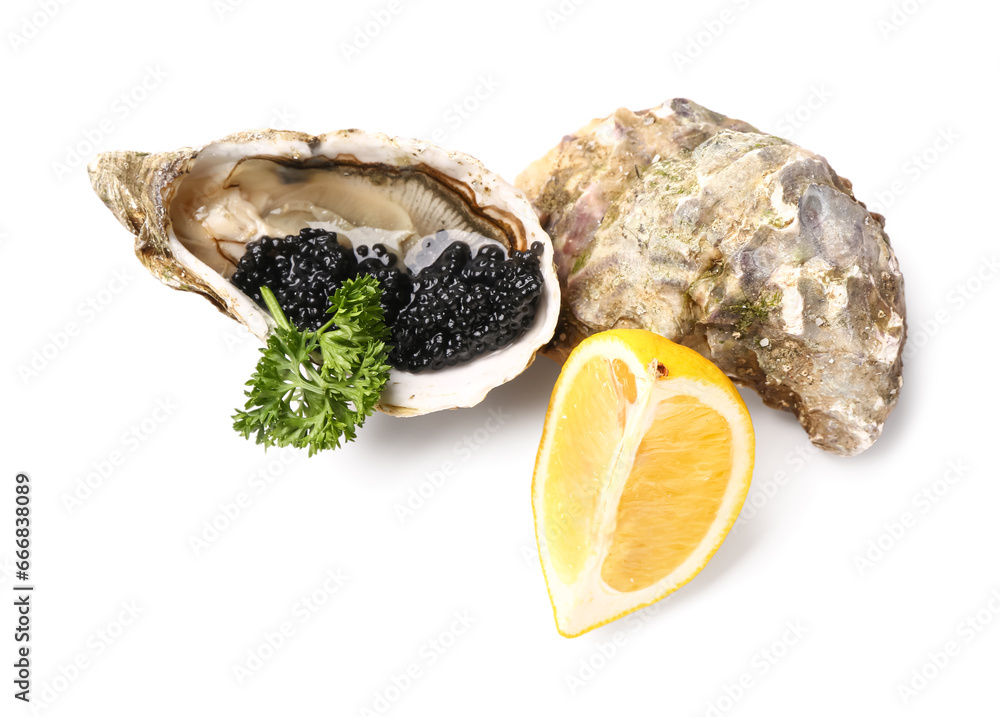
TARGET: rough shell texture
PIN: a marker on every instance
(739, 244)
(138, 188)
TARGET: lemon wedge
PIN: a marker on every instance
(643, 467)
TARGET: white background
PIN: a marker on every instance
(871, 85)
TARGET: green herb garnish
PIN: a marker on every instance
(293, 401)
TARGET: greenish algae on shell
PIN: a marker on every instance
(742, 245)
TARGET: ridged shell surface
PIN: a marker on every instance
(742, 245)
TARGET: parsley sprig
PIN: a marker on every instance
(295, 401)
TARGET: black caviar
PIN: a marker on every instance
(397, 286)
(459, 307)
(303, 272)
(464, 306)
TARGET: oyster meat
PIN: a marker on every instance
(741, 245)
(194, 211)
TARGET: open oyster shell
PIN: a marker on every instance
(193, 211)
(739, 244)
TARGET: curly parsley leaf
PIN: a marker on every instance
(294, 401)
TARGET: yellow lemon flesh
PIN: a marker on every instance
(644, 463)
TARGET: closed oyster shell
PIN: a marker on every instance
(192, 212)
(741, 245)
